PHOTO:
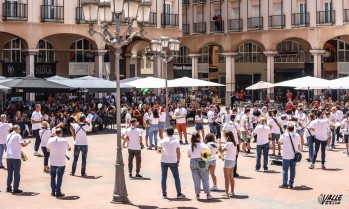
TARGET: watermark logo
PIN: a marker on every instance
(330, 199)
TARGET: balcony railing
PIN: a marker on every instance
(185, 2)
(300, 19)
(152, 19)
(52, 13)
(217, 26)
(169, 20)
(14, 11)
(199, 27)
(79, 15)
(199, 1)
(255, 23)
(235, 25)
(345, 15)
(277, 21)
(185, 28)
(326, 17)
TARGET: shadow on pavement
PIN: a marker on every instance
(144, 179)
(26, 194)
(91, 177)
(244, 177)
(240, 197)
(69, 198)
(302, 188)
(272, 171)
(333, 169)
(214, 200)
(179, 200)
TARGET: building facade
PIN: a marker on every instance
(240, 42)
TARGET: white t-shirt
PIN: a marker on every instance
(227, 118)
(275, 129)
(345, 124)
(197, 151)
(162, 116)
(306, 131)
(169, 147)
(14, 146)
(146, 117)
(230, 153)
(4, 127)
(284, 122)
(214, 148)
(57, 146)
(287, 150)
(301, 119)
(128, 119)
(234, 128)
(198, 118)
(180, 112)
(220, 117)
(154, 121)
(210, 116)
(81, 133)
(244, 122)
(320, 126)
(36, 116)
(45, 135)
(262, 132)
(133, 135)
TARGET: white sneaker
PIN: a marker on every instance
(37, 153)
(225, 195)
(214, 188)
(209, 197)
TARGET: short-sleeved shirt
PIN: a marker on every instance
(45, 135)
(198, 118)
(287, 150)
(169, 147)
(14, 146)
(127, 118)
(244, 122)
(154, 121)
(262, 132)
(214, 148)
(180, 112)
(133, 135)
(345, 124)
(57, 147)
(320, 126)
(81, 133)
(234, 128)
(4, 127)
(196, 153)
(36, 116)
(275, 126)
(210, 116)
(230, 153)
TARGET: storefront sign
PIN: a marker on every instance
(45, 70)
(182, 70)
(13, 69)
(182, 67)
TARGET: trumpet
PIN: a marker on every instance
(221, 156)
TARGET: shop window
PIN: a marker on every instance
(183, 56)
(80, 51)
(46, 52)
(250, 52)
(12, 52)
(290, 51)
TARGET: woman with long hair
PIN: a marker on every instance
(45, 134)
(198, 123)
(154, 128)
(162, 122)
(146, 124)
(219, 120)
(230, 151)
(198, 166)
(210, 141)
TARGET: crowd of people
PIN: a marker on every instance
(318, 125)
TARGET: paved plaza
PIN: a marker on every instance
(253, 190)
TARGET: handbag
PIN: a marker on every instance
(297, 155)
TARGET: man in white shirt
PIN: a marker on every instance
(245, 131)
(263, 133)
(4, 128)
(337, 116)
(80, 144)
(128, 118)
(319, 126)
(274, 123)
(290, 142)
(181, 122)
(301, 123)
(134, 137)
(14, 145)
(211, 117)
(345, 126)
(170, 158)
(36, 120)
(57, 147)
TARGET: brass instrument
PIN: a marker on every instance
(74, 119)
(24, 156)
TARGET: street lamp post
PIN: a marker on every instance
(165, 49)
(105, 12)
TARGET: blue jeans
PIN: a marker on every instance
(56, 184)
(175, 173)
(153, 134)
(13, 173)
(37, 140)
(213, 128)
(323, 150)
(2, 150)
(77, 149)
(199, 175)
(310, 140)
(265, 149)
(285, 165)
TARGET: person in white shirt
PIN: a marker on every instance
(220, 116)
(146, 123)
(36, 120)
(227, 114)
(199, 123)
(263, 133)
(310, 136)
(154, 129)
(212, 117)
(290, 141)
(57, 147)
(210, 141)
(4, 128)
(345, 127)
(45, 135)
(274, 123)
(80, 144)
(337, 116)
(319, 126)
(245, 132)
(301, 123)
(229, 150)
(127, 122)
(170, 157)
(199, 167)
(181, 122)
(162, 122)
(14, 143)
(134, 136)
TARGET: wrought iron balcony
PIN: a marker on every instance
(326, 17)
(255, 23)
(171, 20)
(52, 13)
(277, 21)
(14, 11)
(199, 28)
(300, 19)
(217, 26)
(235, 25)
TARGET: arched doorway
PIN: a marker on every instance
(45, 63)
(13, 59)
(81, 58)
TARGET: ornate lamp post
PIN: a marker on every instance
(105, 12)
(165, 49)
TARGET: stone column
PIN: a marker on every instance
(270, 71)
(30, 67)
(194, 66)
(317, 65)
(229, 75)
(127, 65)
(99, 62)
